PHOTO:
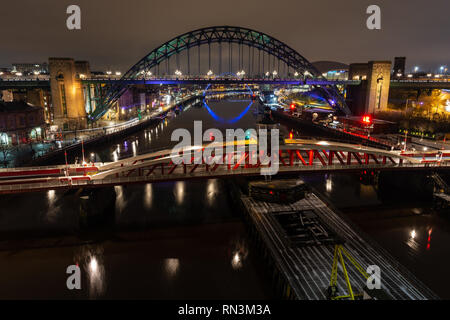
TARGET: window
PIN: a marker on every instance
(63, 99)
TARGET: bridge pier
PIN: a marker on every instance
(96, 207)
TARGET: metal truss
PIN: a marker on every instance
(218, 34)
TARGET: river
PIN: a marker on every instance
(185, 240)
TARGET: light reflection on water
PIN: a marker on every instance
(179, 192)
(416, 241)
(120, 199)
(148, 196)
(211, 191)
(413, 243)
(53, 210)
(171, 267)
(91, 259)
(239, 253)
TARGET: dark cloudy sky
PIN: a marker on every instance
(117, 33)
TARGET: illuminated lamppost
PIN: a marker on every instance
(241, 73)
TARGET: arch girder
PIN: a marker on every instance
(243, 36)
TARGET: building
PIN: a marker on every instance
(30, 68)
(399, 66)
(21, 122)
(332, 70)
(33, 96)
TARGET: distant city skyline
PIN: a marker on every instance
(115, 36)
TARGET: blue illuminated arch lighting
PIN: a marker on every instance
(220, 119)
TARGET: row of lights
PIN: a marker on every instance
(118, 73)
(441, 69)
(429, 75)
(209, 73)
(36, 73)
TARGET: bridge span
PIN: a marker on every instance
(294, 157)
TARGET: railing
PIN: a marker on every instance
(72, 182)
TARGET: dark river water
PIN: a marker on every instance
(185, 240)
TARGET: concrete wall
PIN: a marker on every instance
(378, 82)
(371, 96)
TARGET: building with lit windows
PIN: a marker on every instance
(21, 122)
(30, 68)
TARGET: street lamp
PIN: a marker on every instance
(274, 73)
(108, 72)
(178, 73)
(118, 73)
(240, 73)
(209, 73)
(296, 74)
(416, 68)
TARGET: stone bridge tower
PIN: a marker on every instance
(378, 81)
(371, 96)
(67, 92)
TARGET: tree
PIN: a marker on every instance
(5, 150)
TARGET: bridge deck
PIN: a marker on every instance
(308, 268)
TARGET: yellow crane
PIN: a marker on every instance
(339, 253)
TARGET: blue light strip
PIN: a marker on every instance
(235, 119)
(216, 117)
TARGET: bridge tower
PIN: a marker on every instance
(371, 96)
(67, 92)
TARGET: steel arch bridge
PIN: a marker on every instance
(221, 35)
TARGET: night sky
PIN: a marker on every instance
(117, 33)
